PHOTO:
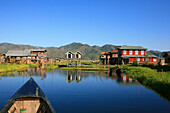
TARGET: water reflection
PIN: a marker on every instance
(38, 71)
(73, 76)
(76, 76)
(86, 91)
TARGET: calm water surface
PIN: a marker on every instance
(87, 92)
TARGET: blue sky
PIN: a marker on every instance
(94, 22)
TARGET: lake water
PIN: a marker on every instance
(87, 92)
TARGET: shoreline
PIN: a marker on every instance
(7, 68)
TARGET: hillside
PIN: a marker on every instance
(89, 52)
(4, 47)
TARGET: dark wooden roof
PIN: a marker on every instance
(69, 52)
(78, 52)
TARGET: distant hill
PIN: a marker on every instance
(4, 47)
(156, 53)
(89, 52)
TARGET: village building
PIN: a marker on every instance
(167, 57)
(127, 55)
(69, 55)
(152, 59)
(73, 57)
(161, 61)
(26, 56)
(78, 54)
(2, 58)
(103, 58)
(41, 53)
(110, 57)
(59, 60)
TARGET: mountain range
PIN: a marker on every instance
(88, 52)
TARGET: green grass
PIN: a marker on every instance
(89, 62)
(14, 67)
(61, 63)
(157, 67)
(54, 66)
(51, 67)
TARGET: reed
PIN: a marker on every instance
(15, 67)
(51, 67)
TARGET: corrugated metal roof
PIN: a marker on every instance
(152, 56)
(37, 50)
(26, 52)
(42, 55)
(18, 53)
(132, 47)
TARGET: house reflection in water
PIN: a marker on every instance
(73, 76)
(122, 80)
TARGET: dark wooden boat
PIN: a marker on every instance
(28, 99)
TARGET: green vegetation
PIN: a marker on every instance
(54, 66)
(32, 65)
(14, 67)
(159, 67)
(61, 63)
(158, 81)
(51, 67)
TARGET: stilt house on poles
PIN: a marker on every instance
(77, 56)
(69, 56)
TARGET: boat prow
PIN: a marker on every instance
(30, 99)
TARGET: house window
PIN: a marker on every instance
(124, 52)
(142, 52)
(130, 52)
(154, 59)
(143, 59)
(136, 52)
(138, 59)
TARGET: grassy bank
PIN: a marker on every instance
(158, 81)
(15, 67)
(51, 67)
(54, 66)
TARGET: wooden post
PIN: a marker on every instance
(162, 73)
(67, 62)
(77, 63)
